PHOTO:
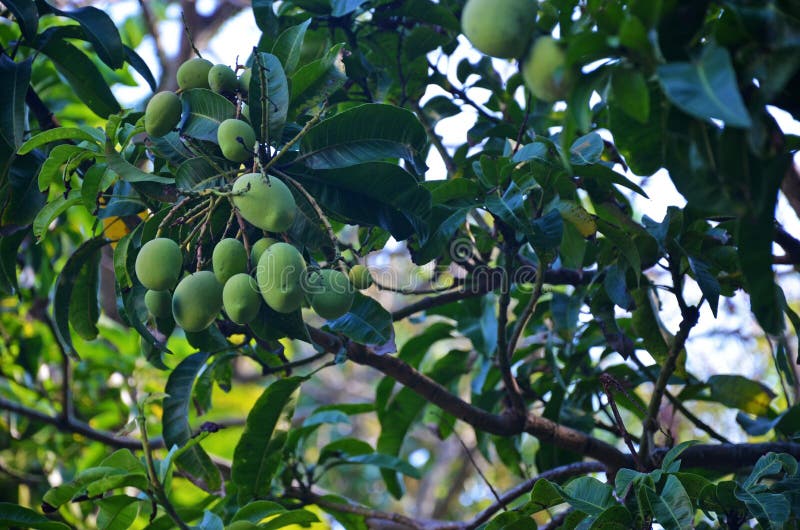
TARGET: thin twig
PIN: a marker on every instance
(159, 493)
(309, 124)
(503, 351)
(189, 35)
(610, 384)
(523, 319)
(436, 140)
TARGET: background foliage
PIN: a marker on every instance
(533, 343)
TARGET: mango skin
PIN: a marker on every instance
(228, 135)
(162, 114)
(221, 79)
(500, 28)
(270, 206)
(229, 258)
(240, 298)
(158, 303)
(279, 274)
(360, 277)
(194, 74)
(545, 72)
(197, 301)
(258, 248)
(330, 292)
(244, 80)
(159, 263)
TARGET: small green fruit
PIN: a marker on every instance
(229, 258)
(240, 298)
(279, 272)
(244, 81)
(194, 74)
(360, 277)
(222, 79)
(236, 139)
(163, 113)
(270, 206)
(159, 263)
(197, 301)
(545, 72)
(500, 28)
(159, 303)
(330, 292)
(258, 248)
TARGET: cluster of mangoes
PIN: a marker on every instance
(236, 137)
(505, 29)
(274, 271)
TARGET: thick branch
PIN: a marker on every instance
(499, 424)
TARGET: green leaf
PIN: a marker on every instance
(195, 462)
(27, 16)
(294, 517)
(84, 308)
(117, 512)
(586, 150)
(55, 135)
(754, 235)
(631, 94)
(277, 97)
(367, 322)
(13, 515)
(673, 454)
(138, 64)
(68, 279)
(289, 45)
(367, 133)
(372, 194)
(709, 285)
(313, 83)
(99, 30)
(770, 464)
(16, 78)
(706, 88)
(672, 508)
(613, 518)
(340, 8)
(545, 494)
(130, 173)
(204, 110)
(738, 392)
(385, 462)
(256, 511)
(772, 508)
(588, 495)
(197, 173)
(80, 72)
(253, 465)
(52, 210)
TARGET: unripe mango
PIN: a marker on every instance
(159, 303)
(359, 276)
(279, 272)
(240, 298)
(229, 258)
(545, 72)
(197, 301)
(159, 263)
(163, 113)
(269, 206)
(222, 79)
(500, 28)
(330, 292)
(258, 248)
(236, 139)
(194, 73)
(244, 81)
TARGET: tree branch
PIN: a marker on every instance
(500, 424)
(690, 316)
